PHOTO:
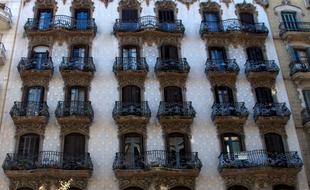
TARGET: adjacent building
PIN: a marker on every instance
(147, 95)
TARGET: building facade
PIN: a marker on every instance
(292, 46)
(147, 95)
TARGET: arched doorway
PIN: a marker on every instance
(180, 188)
(283, 187)
(237, 187)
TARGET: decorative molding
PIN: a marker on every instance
(209, 6)
(36, 128)
(66, 129)
(188, 3)
(262, 79)
(167, 4)
(150, 36)
(129, 4)
(264, 3)
(227, 2)
(170, 182)
(172, 79)
(131, 78)
(132, 128)
(218, 78)
(77, 78)
(245, 7)
(36, 78)
(82, 4)
(44, 4)
(176, 126)
(141, 182)
(222, 129)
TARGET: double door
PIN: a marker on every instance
(212, 20)
(178, 150)
(33, 101)
(82, 19)
(44, 19)
(133, 151)
(130, 58)
(76, 99)
(79, 56)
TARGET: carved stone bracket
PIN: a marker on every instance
(131, 78)
(262, 79)
(143, 182)
(168, 4)
(272, 129)
(222, 79)
(245, 7)
(44, 4)
(77, 78)
(272, 123)
(230, 129)
(128, 4)
(36, 78)
(125, 129)
(22, 129)
(176, 126)
(172, 79)
(82, 4)
(209, 6)
(74, 128)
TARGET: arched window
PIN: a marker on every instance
(131, 94)
(274, 143)
(223, 94)
(29, 146)
(237, 187)
(173, 94)
(283, 187)
(232, 143)
(180, 188)
(133, 149)
(74, 145)
(133, 188)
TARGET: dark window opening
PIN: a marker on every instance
(39, 59)
(132, 147)
(231, 143)
(264, 95)
(133, 188)
(166, 16)
(173, 94)
(77, 94)
(213, 20)
(180, 188)
(223, 94)
(131, 94)
(274, 143)
(74, 145)
(306, 94)
(290, 20)
(169, 52)
(29, 146)
(129, 15)
(247, 18)
(255, 54)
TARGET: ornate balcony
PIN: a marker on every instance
(294, 31)
(261, 72)
(300, 71)
(74, 112)
(130, 69)
(131, 113)
(30, 113)
(157, 162)
(233, 114)
(222, 71)
(48, 164)
(35, 71)
(233, 31)
(60, 24)
(260, 164)
(77, 71)
(172, 71)
(305, 114)
(5, 17)
(148, 27)
(178, 112)
(271, 114)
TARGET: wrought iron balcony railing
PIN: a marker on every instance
(305, 114)
(135, 109)
(5, 12)
(222, 65)
(148, 22)
(74, 108)
(38, 64)
(60, 21)
(130, 64)
(300, 66)
(29, 109)
(85, 64)
(259, 158)
(232, 25)
(183, 109)
(237, 109)
(47, 160)
(294, 27)
(270, 110)
(172, 65)
(156, 159)
(261, 66)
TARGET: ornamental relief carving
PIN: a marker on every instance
(78, 182)
(245, 7)
(44, 4)
(230, 129)
(209, 6)
(21, 129)
(82, 4)
(131, 78)
(129, 4)
(222, 79)
(272, 129)
(262, 80)
(176, 127)
(236, 39)
(143, 183)
(36, 78)
(165, 4)
(22, 182)
(244, 180)
(77, 78)
(272, 122)
(126, 129)
(172, 79)
(170, 182)
(74, 128)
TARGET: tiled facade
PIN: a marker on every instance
(105, 123)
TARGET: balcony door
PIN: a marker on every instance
(223, 95)
(264, 95)
(76, 100)
(255, 54)
(178, 146)
(166, 16)
(274, 143)
(44, 19)
(130, 56)
(40, 56)
(237, 187)
(213, 21)
(82, 19)
(231, 143)
(290, 20)
(78, 55)
(28, 147)
(173, 94)
(218, 56)
(169, 52)
(33, 99)
(74, 149)
(131, 99)
(129, 15)
(133, 148)
(247, 18)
